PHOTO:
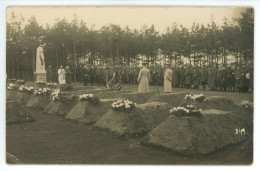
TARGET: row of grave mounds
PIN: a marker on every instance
(191, 135)
(15, 114)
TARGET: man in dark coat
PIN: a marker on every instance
(49, 76)
(204, 77)
(211, 78)
(68, 75)
(188, 77)
(196, 77)
(175, 77)
(182, 76)
(86, 75)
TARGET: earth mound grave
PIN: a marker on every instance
(38, 101)
(15, 114)
(89, 113)
(137, 121)
(174, 99)
(213, 102)
(60, 107)
(199, 135)
(138, 98)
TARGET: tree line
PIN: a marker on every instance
(74, 44)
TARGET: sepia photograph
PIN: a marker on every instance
(129, 85)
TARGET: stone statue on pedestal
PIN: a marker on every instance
(40, 72)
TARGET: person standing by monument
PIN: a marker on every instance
(49, 76)
(61, 73)
(168, 79)
(143, 79)
(68, 75)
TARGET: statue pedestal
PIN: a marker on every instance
(40, 77)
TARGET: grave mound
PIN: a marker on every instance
(89, 113)
(174, 99)
(210, 132)
(137, 121)
(60, 107)
(38, 101)
(15, 114)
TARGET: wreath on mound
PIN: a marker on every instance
(189, 110)
(198, 97)
(123, 105)
(115, 87)
(90, 98)
(247, 105)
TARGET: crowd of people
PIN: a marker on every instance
(221, 78)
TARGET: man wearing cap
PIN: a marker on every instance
(143, 79)
(168, 79)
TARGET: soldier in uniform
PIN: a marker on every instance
(230, 79)
(237, 77)
(182, 76)
(211, 78)
(49, 75)
(224, 80)
(196, 77)
(188, 77)
(219, 79)
(68, 75)
(204, 77)
(175, 77)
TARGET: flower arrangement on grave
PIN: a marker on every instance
(11, 86)
(247, 104)
(89, 98)
(42, 91)
(189, 110)
(115, 87)
(123, 105)
(56, 95)
(198, 97)
(26, 89)
(52, 84)
(20, 81)
(12, 80)
(41, 82)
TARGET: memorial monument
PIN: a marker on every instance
(40, 72)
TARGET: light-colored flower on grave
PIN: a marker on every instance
(123, 104)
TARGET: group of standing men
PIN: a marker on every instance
(221, 78)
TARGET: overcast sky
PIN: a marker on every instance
(134, 17)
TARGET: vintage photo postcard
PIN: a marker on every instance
(129, 85)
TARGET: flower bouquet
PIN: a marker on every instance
(186, 111)
(20, 81)
(41, 91)
(52, 84)
(12, 86)
(198, 97)
(56, 95)
(89, 98)
(115, 87)
(12, 80)
(26, 89)
(123, 105)
(41, 84)
(248, 105)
